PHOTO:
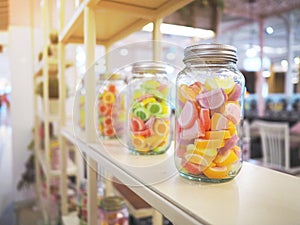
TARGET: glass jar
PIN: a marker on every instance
(209, 114)
(111, 106)
(149, 108)
(113, 211)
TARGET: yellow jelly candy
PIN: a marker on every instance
(147, 101)
(227, 159)
(226, 84)
(186, 93)
(204, 143)
(209, 154)
(217, 134)
(197, 159)
(211, 83)
(232, 128)
(216, 172)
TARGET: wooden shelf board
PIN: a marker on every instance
(71, 170)
(71, 219)
(52, 67)
(117, 19)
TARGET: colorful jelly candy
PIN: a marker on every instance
(149, 118)
(206, 127)
(110, 123)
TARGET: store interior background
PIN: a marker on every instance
(247, 25)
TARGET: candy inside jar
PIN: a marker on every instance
(149, 109)
(209, 116)
(111, 106)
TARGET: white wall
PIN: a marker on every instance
(22, 114)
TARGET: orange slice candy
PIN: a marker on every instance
(186, 93)
(219, 122)
(204, 143)
(197, 159)
(227, 159)
(217, 134)
(154, 140)
(216, 172)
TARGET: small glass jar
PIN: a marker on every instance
(149, 108)
(209, 114)
(111, 106)
(113, 211)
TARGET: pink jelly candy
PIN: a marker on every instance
(229, 144)
(233, 112)
(211, 99)
(188, 115)
(235, 93)
(197, 130)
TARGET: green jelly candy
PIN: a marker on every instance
(151, 84)
(142, 113)
(137, 93)
(135, 105)
(154, 108)
(156, 93)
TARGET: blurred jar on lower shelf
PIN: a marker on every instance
(113, 211)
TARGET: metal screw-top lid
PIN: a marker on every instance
(150, 67)
(210, 51)
(112, 203)
(108, 76)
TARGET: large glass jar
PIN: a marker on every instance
(111, 106)
(149, 108)
(209, 114)
(113, 211)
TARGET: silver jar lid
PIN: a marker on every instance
(150, 67)
(210, 51)
(112, 203)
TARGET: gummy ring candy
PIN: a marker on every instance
(142, 113)
(138, 141)
(161, 128)
(108, 97)
(112, 88)
(154, 108)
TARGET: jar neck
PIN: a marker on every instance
(210, 63)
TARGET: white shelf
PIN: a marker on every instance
(256, 196)
(71, 219)
(72, 135)
(71, 170)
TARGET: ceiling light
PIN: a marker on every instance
(284, 63)
(251, 52)
(181, 30)
(297, 60)
(269, 30)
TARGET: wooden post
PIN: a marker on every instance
(90, 43)
(156, 37)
